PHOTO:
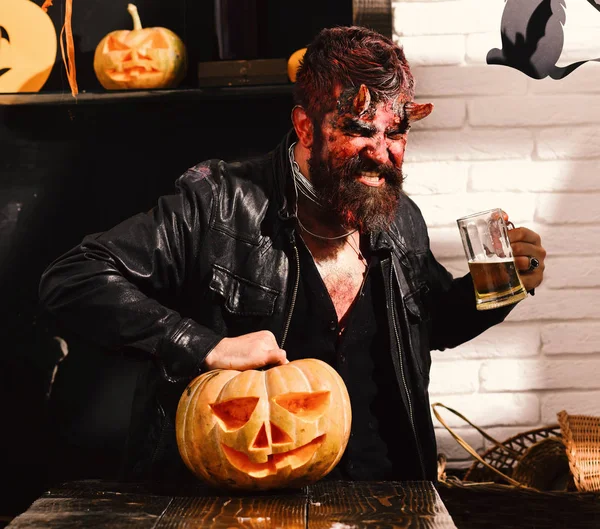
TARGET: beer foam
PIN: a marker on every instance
(492, 259)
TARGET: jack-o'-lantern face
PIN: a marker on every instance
(272, 448)
(144, 59)
(286, 426)
(141, 58)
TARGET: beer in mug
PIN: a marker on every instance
(495, 280)
(490, 259)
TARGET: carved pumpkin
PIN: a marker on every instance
(27, 46)
(141, 58)
(286, 426)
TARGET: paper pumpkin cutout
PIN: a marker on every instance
(28, 46)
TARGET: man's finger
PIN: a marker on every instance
(275, 357)
(524, 235)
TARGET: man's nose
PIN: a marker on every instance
(378, 152)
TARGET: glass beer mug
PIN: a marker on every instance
(489, 254)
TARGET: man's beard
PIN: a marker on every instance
(357, 205)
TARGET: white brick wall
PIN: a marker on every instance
(498, 138)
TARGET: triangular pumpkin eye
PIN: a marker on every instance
(158, 40)
(235, 412)
(305, 404)
(113, 44)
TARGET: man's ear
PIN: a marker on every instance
(303, 126)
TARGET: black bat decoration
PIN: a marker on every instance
(533, 37)
(595, 4)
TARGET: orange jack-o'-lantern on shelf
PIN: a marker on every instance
(27, 46)
(141, 58)
(286, 426)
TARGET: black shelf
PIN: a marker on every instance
(177, 94)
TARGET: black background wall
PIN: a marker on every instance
(72, 168)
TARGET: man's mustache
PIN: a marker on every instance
(357, 165)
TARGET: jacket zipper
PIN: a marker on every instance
(294, 294)
(402, 374)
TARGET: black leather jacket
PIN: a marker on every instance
(219, 258)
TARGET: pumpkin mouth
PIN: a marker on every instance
(293, 458)
(129, 72)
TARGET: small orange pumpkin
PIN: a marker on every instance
(294, 62)
(28, 46)
(287, 426)
(141, 58)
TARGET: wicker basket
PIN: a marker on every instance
(528, 481)
(536, 459)
(581, 435)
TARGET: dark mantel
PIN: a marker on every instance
(246, 92)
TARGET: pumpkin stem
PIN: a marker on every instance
(137, 23)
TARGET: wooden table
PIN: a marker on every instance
(325, 505)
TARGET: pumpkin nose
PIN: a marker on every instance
(278, 436)
(262, 439)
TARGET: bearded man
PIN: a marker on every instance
(311, 250)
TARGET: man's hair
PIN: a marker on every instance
(347, 56)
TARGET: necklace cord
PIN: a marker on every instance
(302, 184)
(360, 255)
(322, 237)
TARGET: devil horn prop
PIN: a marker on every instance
(362, 100)
(416, 111)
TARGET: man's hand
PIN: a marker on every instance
(527, 248)
(248, 351)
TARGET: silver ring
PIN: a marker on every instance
(533, 264)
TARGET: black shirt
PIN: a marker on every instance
(380, 442)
